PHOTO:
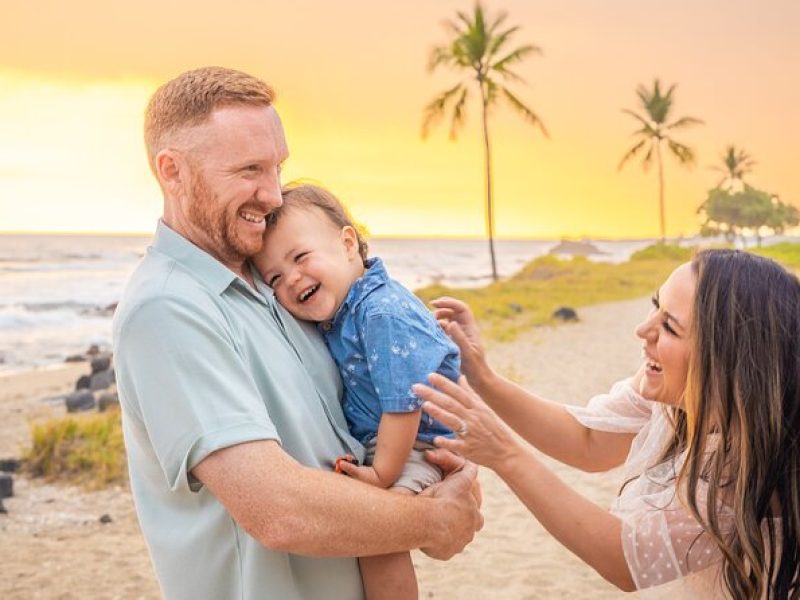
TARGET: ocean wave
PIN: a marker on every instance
(46, 314)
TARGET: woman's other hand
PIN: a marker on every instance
(481, 436)
(458, 322)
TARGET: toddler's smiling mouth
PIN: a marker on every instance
(307, 293)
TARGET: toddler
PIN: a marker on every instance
(383, 340)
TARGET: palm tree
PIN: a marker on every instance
(737, 164)
(479, 48)
(655, 132)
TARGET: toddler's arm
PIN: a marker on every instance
(396, 435)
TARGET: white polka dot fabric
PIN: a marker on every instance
(661, 540)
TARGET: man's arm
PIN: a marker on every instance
(287, 506)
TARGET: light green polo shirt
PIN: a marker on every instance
(204, 362)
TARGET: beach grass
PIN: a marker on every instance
(529, 298)
(786, 253)
(85, 450)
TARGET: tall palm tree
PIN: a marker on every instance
(655, 132)
(478, 47)
(737, 164)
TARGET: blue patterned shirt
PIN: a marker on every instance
(384, 340)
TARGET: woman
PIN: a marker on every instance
(708, 430)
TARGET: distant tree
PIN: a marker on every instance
(732, 213)
(479, 48)
(736, 164)
(654, 133)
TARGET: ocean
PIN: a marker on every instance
(56, 290)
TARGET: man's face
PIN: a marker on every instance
(234, 181)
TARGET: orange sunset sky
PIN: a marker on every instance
(352, 82)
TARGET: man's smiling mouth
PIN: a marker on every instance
(251, 217)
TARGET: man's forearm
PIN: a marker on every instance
(296, 509)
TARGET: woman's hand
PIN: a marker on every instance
(458, 322)
(481, 436)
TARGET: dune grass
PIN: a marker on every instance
(88, 449)
(530, 297)
(786, 253)
(85, 450)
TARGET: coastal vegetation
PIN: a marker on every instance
(509, 307)
(734, 207)
(479, 49)
(85, 450)
(88, 449)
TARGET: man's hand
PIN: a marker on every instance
(449, 463)
(458, 507)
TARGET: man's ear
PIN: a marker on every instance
(350, 241)
(171, 170)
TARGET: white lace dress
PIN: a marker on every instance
(666, 549)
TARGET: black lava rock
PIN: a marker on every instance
(83, 383)
(6, 485)
(101, 363)
(80, 401)
(10, 465)
(101, 380)
(565, 313)
(107, 400)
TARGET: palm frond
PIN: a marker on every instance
(435, 110)
(515, 56)
(439, 55)
(644, 121)
(683, 153)
(499, 20)
(459, 114)
(631, 153)
(499, 40)
(648, 158)
(684, 122)
(526, 112)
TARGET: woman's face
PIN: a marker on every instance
(665, 334)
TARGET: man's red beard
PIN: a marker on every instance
(218, 223)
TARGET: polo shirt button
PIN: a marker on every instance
(326, 326)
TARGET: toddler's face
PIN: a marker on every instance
(309, 262)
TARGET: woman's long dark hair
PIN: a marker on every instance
(742, 428)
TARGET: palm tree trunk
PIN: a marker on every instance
(661, 192)
(489, 211)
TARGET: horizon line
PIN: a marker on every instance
(448, 237)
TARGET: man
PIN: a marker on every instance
(230, 406)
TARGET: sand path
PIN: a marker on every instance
(53, 545)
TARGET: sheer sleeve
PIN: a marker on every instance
(661, 539)
(620, 410)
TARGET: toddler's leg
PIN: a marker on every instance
(389, 576)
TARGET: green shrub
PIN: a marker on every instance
(87, 450)
(662, 251)
(786, 253)
(530, 297)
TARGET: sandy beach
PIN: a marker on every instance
(53, 544)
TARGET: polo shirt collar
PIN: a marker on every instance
(202, 265)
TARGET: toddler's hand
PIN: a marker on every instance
(365, 474)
